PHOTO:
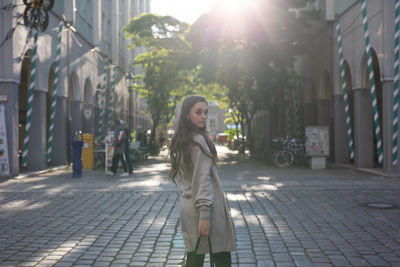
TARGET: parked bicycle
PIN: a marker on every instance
(138, 152)
(290, 152)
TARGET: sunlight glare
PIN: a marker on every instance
(231, 7)
(235, 212)
(184, 10)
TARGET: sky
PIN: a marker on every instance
(184, 10)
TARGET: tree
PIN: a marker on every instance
(251, 52)
(163, 64)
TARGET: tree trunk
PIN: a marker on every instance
(242, 146)
(152, 145)
(250, 141)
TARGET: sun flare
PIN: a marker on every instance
(190, 10)
(184, 10)
(231, 7)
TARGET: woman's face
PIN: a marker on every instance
(198, 114)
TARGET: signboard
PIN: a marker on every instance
(109, 149)
(3, 98)
(4, 163)
(317, 141)
(87, 111)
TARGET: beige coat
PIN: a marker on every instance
(203, 197)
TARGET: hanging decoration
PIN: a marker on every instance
(36, 13)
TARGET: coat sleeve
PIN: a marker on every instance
(202, 189)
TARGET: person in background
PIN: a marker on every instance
(204, 211)
(127, 140)
(120, 147)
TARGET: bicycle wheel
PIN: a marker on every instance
(284, 159)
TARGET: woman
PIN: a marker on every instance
(204, 209)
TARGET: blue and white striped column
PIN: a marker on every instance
(30, 102)
(372, 83)
(345, 93)
(54, 96)
(396, 89)
(100, 127)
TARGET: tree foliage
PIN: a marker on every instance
(250, 52)
(163, 64)
(242, 59)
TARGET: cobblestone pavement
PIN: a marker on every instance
(290, 217)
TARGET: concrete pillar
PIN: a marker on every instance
(114, 30)
(60, 133)
(76, 115)
(387, 86)
(310, 114)
(97, 22)
(340, 142)
(323, 112)
(37, 148)
(363, 129)
(387, 125)
(137, 8)
(127, 52)
(69, 11)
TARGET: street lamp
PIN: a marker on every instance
(130, 77)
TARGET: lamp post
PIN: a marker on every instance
(129, 79)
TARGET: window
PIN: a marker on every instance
(212, 124)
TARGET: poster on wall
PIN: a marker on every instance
(317, 141)
(4, 163)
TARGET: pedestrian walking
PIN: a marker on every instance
(121, 148)
(206, 222)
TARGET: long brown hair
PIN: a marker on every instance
(182, 141)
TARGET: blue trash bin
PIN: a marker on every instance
(77, 144)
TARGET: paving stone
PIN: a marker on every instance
(101, 222)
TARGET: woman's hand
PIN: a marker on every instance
(204, 227)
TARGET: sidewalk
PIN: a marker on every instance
(282, 217)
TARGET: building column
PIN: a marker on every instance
(310, 114)
(114, 30)
(387, 87)
(127, 52)
(387, 125)
(97, 22)
(69, 11)
(37, 148)
(323, 112)
(76, 115)
(60, 142)
(363, 129)
(340, 142)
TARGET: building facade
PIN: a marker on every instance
(320, 100)
(216, 119)
(93, 65)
